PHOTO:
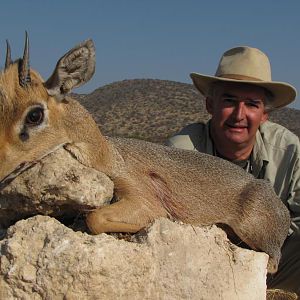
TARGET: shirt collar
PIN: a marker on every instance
(209, 145)
(260, 156)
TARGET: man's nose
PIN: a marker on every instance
(239, 111)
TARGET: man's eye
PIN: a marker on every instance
(35, 116)
(228, 100)
(253, 104)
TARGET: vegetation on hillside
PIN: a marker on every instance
(153, 109)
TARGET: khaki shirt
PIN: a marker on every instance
(275, 157)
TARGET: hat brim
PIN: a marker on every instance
(283, 93)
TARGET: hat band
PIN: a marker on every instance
(239, 77)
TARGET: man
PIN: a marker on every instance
(239, 97)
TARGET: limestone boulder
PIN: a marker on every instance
(43, 259)
(58, 185)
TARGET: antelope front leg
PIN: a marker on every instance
(122, 216)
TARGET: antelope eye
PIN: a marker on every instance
(35, 116)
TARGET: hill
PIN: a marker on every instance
(154, 109)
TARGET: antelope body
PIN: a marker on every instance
(151, 181)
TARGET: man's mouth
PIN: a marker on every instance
(236, 127)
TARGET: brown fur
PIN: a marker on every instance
(150, 180)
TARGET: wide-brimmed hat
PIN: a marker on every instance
(247, 65)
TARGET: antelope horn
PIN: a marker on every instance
(8, 60)
(24, 68)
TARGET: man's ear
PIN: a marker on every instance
(209, 105)
(72, 70)
(264, 117)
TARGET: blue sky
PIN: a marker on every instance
(154, 39)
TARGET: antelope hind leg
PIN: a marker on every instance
(265, 221)
(121, 216)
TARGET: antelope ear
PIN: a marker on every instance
(72, 70)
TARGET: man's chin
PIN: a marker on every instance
(236, 138)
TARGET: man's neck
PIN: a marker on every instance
(234, 154)
(232, 151)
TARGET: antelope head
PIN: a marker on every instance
(32, 111)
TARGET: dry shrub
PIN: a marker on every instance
(276, 294)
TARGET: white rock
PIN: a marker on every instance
(43, 259)
(57, 185)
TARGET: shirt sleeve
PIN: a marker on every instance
(169, 142)
(191, 137)
(181, 141)
(294, 196)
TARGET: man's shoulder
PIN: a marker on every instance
(277, 135)
(194, 128)
(188, 137)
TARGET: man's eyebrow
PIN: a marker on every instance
(255, 100)
(226, 95)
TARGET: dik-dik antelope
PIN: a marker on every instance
(150, 180)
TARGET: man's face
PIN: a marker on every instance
(237, 111)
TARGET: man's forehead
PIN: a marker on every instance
(244, 90)
(243, 98)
